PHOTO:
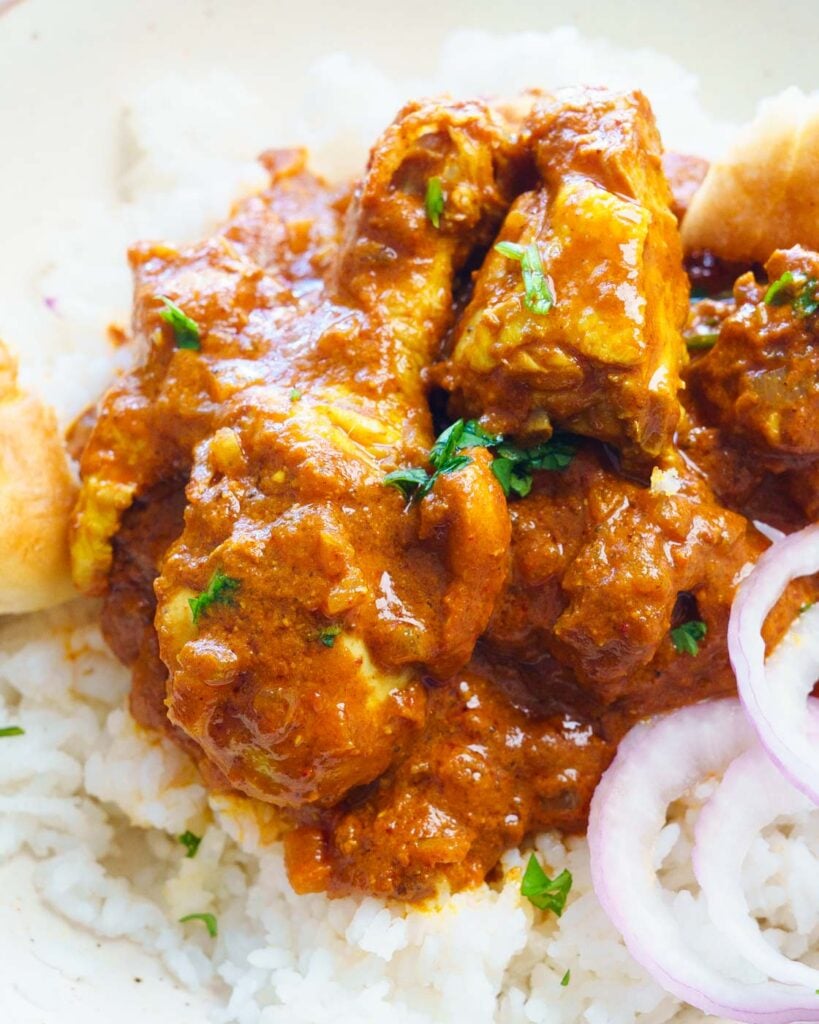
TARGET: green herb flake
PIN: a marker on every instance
(220, 590)
(700, 341)
(295, 394)
(777, 292)
(185, 330)
(435, 201)
(191, 843)
(806, 606)
(543, 892)
(327, 636)
(806, 302)
(687, 636)
(537, 295)
(802, 292)
(412, 482)
(513, 466)
(208, 920)
(567, 977)
(11, 730)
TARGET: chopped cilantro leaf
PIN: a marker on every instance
(697, 341)
(434, 202)
(805, 606)
(806, 302)
(12, 730)
(190, 842)
(687, 636)
(513, 466)
(777, 292)
(802, 292)
(413, 482)
(208, 920)
(295, 394)
(544, 892)
(416, 483)
(567, 977)
(185, 330)
(220, 590)
(327, 636)
(537, 295)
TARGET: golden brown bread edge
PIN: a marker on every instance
(37, 493)
(762, 194)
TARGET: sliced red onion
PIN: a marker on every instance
(775, 695)
(751, 795)
(768, 531)
(656, 764)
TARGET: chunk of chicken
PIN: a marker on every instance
(307, 681)
(603, 569)
(262, 268)
(760, 381)
(604, 360)
(496, 761)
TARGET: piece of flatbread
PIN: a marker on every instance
(37, 493)
(764, 193)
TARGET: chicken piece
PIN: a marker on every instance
(603, 569)
(37, 492)
(604, 360)
(262, 268)
(760, 381)
(761, 195)
(305, 679)
(498, 759)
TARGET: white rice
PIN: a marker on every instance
(100, 804)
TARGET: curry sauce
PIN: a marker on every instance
(417, 676)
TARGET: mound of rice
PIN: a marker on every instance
(100, 804)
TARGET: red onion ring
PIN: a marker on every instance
(657, 763)
(788, 729)
(751, 795)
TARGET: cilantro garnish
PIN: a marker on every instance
(220, 590)
(544, 892)
(415, 483)
(802, 292)
(778, 290)
(295, 394)
(11, 730)
(190, 842)
(208, 920)
(327, 636)
(567, 977)
(537, 295)
(185, 330)
(513, 466)
(434, 201)
(803, 608)
(697, 341)
(806, 302)
(687, 636)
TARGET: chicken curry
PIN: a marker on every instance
(424, 489)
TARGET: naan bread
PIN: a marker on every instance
(763, 194)
(36, 497)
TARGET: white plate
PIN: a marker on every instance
(64, 67)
